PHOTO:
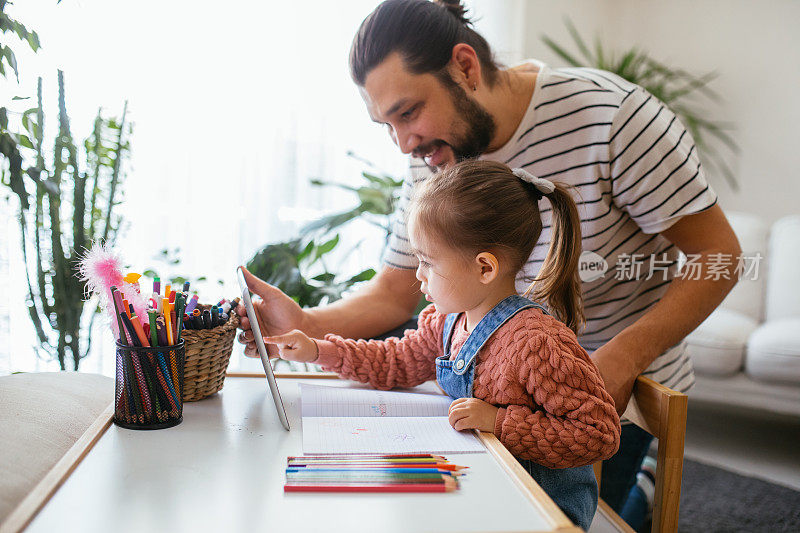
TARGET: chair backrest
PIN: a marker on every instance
(661, 412)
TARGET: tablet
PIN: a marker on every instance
(262, 350)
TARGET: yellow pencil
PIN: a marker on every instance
(167, 319)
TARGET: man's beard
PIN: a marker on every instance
(470, 115)
(479, 124)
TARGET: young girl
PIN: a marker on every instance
(511, 367)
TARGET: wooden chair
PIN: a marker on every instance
(661, 412)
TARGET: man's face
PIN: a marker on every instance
(426, 117)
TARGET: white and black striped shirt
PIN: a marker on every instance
(634, 170)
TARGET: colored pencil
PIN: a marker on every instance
(379, 469)
(387, 487)
(145, 395)
(448, 467)
(369, 456)
(365, 476)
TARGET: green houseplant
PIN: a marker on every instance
(299, 267)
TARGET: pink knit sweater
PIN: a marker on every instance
(554, 409)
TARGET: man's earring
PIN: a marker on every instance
(475, 87)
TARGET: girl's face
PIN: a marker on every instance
(449, 279)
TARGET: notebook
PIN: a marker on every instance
(340, 420)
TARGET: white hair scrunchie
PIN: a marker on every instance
(543, 186)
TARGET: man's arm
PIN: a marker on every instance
(685, 304)
(385, 302)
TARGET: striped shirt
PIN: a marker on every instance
(634, 171)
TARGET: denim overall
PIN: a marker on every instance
(574, 490)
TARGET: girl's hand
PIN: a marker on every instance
(295, 346)
(472, 413)
(275, 312)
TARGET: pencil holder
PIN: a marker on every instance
(149, 386)
(208, 352)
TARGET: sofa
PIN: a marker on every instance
(42, 416)
(747, 352)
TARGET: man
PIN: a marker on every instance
(425, 74)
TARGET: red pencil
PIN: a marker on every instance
(449, 485)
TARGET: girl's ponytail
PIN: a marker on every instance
(558, 282)
(477, 206)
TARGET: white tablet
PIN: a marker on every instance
(262, 350)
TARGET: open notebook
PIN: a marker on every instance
(348, 421)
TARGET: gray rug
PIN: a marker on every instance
(715, 500)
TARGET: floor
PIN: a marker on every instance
(751, 443)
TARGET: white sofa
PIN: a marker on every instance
(747, 353)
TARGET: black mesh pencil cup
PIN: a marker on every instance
(149, 386)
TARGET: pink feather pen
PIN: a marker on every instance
(101, 269)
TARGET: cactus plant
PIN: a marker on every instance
(67, 209)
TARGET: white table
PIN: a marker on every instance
(222, 469)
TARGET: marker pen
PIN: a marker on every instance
(135, 339)
(115, 297)
(157, 285)
(167, 320)
(161, 331)
(214, 316)
(206, 319)
(192, 304)
(153, 328)
(173, 322)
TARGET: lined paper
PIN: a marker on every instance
(319, 400)
(399, 434)
(339, 420)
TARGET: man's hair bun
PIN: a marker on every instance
(456, 9)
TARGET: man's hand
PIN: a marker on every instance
(472, 413)
(277, 313)
(617, 376)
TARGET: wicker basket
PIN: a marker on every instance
(208, 352)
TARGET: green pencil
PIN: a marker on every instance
(153, 332)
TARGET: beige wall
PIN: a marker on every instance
(753, 45)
